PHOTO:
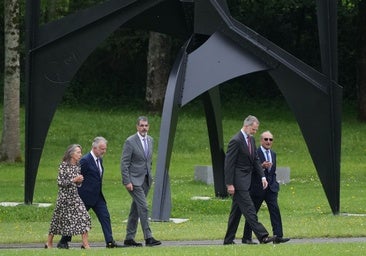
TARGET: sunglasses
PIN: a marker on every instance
(268, 139)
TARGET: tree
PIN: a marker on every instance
(10, 141)
(158, 68)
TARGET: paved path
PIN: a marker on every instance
(196, 243)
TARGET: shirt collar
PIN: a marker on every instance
(264, 149)
(141, 138)
(92, 153)
(245, 135)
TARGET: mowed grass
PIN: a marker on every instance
(349, 249)
(304, 207)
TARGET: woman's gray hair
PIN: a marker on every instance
(69, 151)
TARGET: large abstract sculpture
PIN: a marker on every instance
(217, 49)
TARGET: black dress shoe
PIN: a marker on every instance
(63, 245)
(152, 242)
(228, 242)
(247, 241)
(266, 240)
(113, 244)
(279, 240)
(131, 242)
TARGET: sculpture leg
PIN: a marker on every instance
(211, 102)
(161, 206)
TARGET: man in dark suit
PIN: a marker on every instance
(91, 191)
(136, 163)
(240, 161)
(270, 194)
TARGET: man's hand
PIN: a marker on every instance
(264, 182)
(266, 165)
(230, 189)
(129, 187)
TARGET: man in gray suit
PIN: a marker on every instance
(136, 165)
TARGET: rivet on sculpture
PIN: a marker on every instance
(217, 49)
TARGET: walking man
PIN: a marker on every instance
(240, 161)
(269, 195)
(136, 173)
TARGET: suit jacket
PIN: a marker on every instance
(134, 164)
(273, 185)
(91, 187)
(239, 163)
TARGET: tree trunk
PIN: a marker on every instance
(10, 141)
(362, 62)
(158, 68)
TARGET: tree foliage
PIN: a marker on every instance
(115, 73)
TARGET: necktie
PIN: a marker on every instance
(268, 158)
(146, 149)
(249, 145)
(145, 146)
(99, 167)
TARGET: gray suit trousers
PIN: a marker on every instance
(139, 209)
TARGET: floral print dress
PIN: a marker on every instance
(70, 216)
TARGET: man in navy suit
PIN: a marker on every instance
(268, 159)
(136, 163)
(240, 162)
(91, 191)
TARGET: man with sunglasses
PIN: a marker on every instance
(268, 159)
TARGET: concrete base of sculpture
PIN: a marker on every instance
(283, 175)
(204, 174)
(13, 204)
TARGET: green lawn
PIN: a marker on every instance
(304, 207)
(349, 249)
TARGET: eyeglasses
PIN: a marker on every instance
(143, 125)
(268, 139)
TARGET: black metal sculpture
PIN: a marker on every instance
(218, 48)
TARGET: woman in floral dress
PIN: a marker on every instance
(70, 216)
